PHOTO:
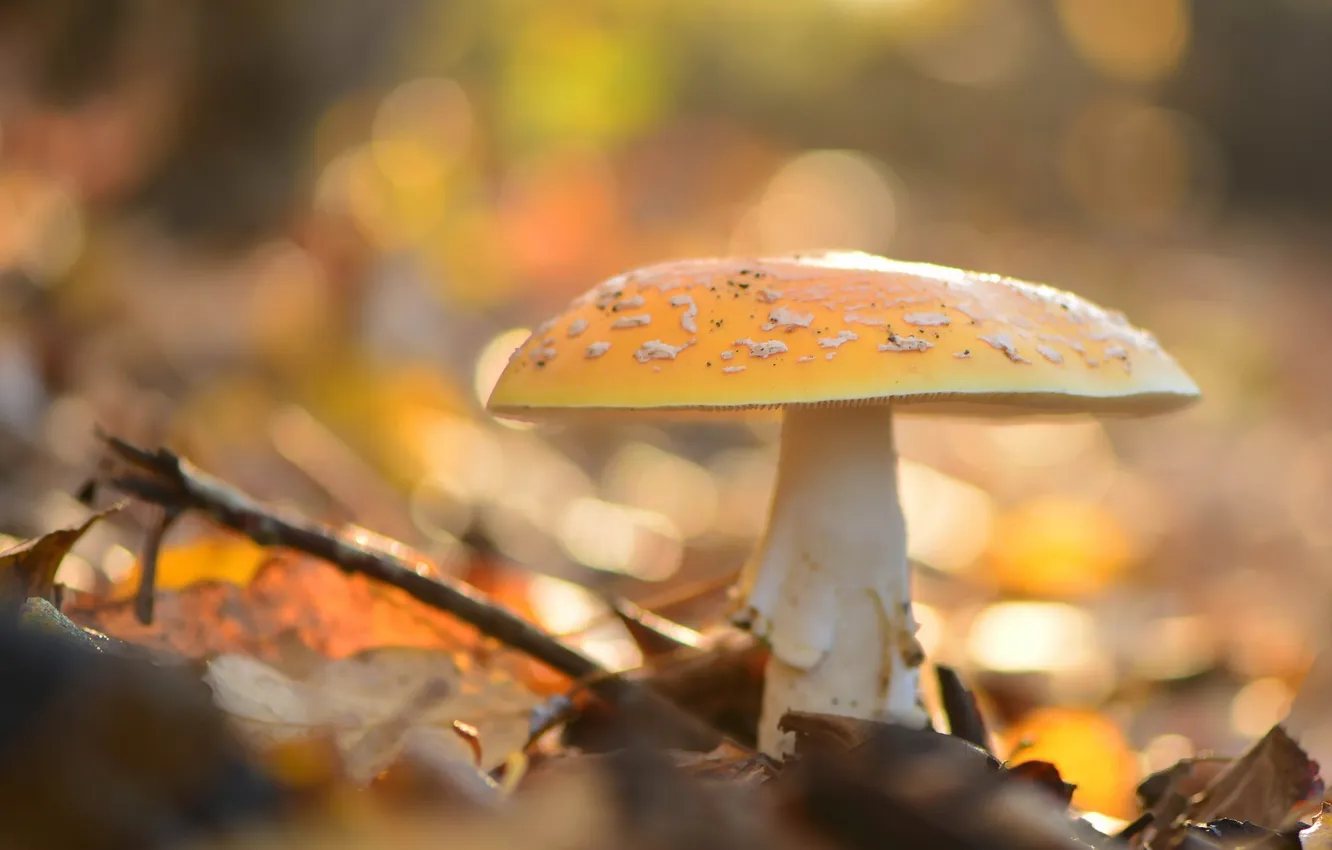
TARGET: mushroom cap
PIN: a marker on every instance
(831, 329)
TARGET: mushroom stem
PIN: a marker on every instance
(829, 587)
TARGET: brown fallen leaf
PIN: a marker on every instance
(1266, 786)
(101, 751)
(826, 732)
(28, 570)
(1046, 777)
(296, 609)
(428, 774)
(290, 597)
(576, 810)
(1185, 777)
(370, 702)
(820, 736)
(1263, 786)
(730, 764)
(654, 634)
(1318, 836)
(912, 788)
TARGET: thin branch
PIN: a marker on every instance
(165, 479)
(152, 547)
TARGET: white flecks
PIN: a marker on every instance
(767, 296)
(727, 355)
(633, 302)
(1121, 331)
(1037, 292)
(853, 317)
(765, 348)
(812, 292)
(656, 368)
(905, 343)
(830, 355)
(788, 319)
(577, 326)
(544, 328)
(1050, 354)
(926, 320)
(544, 352)
(632, 321)
(605, 293)
(596, 349)
(835, 341)
(1004, 343)
(655, 349)
(908, 299)
(808, 358)
(691, 311)
(731, 370)
(1117, 352)
(971, 312)
(962, 355)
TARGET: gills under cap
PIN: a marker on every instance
(836, 328)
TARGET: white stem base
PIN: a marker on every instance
(829, 587)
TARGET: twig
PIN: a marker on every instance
(1130, 832)
(152, 547)
(165, 479)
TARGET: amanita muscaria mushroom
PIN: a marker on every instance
(840, 343)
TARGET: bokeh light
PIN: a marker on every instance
(1016, 637)
(1259, 706)
(1134, 163)
(948, 520)
(421, 129)
(819, 200)
(645, 477)
(607, 536)
(565, 608)
(1089, 749)
(1135, 40)
(1058, 547)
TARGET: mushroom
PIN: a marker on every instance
(839, 343)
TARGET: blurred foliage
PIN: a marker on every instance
(298, 239)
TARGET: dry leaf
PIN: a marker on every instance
(730, 764)
(826, 732)
(291, 596)
(1046, 777)
(373, 700)
(41, 617)
(576, 810)
(220, 557)
(1262, 786)
(427, 772)
(102, 751)
(28, 570)
(1318, 836)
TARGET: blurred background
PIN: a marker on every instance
(297, 239)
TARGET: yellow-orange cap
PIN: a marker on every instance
(836, 328)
